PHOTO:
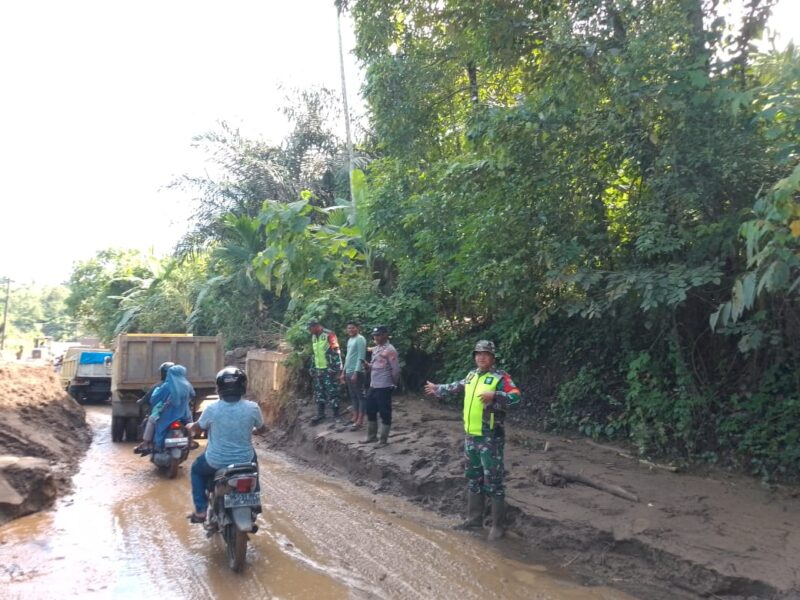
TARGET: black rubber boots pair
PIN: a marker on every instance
(476, 505)
(321, 414)
(372, 433)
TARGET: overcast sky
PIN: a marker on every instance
(99, 101)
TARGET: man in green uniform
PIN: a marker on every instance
(326, 368)
(488, 392)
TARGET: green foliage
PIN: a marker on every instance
(563, 177)
(359, 300)
(761, 425)
(771, 234)
(544, 163)
(660, 412)
(98, 286)
(580, 403)
(34, 312)
(249, 171)
(300, 255)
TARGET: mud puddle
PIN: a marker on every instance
(123, 534)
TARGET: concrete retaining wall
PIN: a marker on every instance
(266, 374)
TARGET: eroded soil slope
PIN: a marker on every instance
(42, 438)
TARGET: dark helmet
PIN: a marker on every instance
(231, 381)
(164, 368)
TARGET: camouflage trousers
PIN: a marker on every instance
(483, 464)
(325, 386)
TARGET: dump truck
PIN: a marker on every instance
(135, 369)
(86, 374)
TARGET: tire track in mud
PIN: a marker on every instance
(397, 550)
(123, 534)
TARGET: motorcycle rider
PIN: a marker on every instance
(145, 400)
(231, 423)
(170, 401)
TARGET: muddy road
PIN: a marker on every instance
(123, 534)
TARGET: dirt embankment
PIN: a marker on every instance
(597, 510)
(43, 435)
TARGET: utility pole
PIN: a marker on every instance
(7, 281)
(350, 159)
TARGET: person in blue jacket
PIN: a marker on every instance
(171, 401)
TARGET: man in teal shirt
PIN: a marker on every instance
(353, 375)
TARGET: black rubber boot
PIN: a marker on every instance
(320, 413)
(384, 438)
(476, 504)
(372, 433)
(498, 518)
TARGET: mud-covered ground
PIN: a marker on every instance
(43, 436)
(598, 510)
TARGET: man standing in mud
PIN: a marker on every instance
(384, 370)
(326, 368)
(488, 392)
(353, 375)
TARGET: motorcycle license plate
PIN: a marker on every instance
(177, 441)
(248, 499)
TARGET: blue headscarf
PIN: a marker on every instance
(177, 392)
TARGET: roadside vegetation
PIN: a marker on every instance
(35, 312)
(607, 189)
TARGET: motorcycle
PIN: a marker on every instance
(174, 451)
(234, 502)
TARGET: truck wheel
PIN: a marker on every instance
(117, 428)
(131, 429)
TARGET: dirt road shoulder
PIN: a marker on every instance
(600, 511)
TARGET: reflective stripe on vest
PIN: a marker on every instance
(320, 345)
(473, 406)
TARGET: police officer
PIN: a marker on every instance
(384, 375)
(488, 392)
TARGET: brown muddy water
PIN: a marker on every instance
(123, 534)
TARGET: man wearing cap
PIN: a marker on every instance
(325, 369)
(384, 372)
(488, 392)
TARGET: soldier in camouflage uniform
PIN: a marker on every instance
(488, 392)
(326, 369)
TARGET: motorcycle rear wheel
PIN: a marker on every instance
(236, 545)
(172, 469)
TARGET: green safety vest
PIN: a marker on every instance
(473, 405)
(320, 346)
